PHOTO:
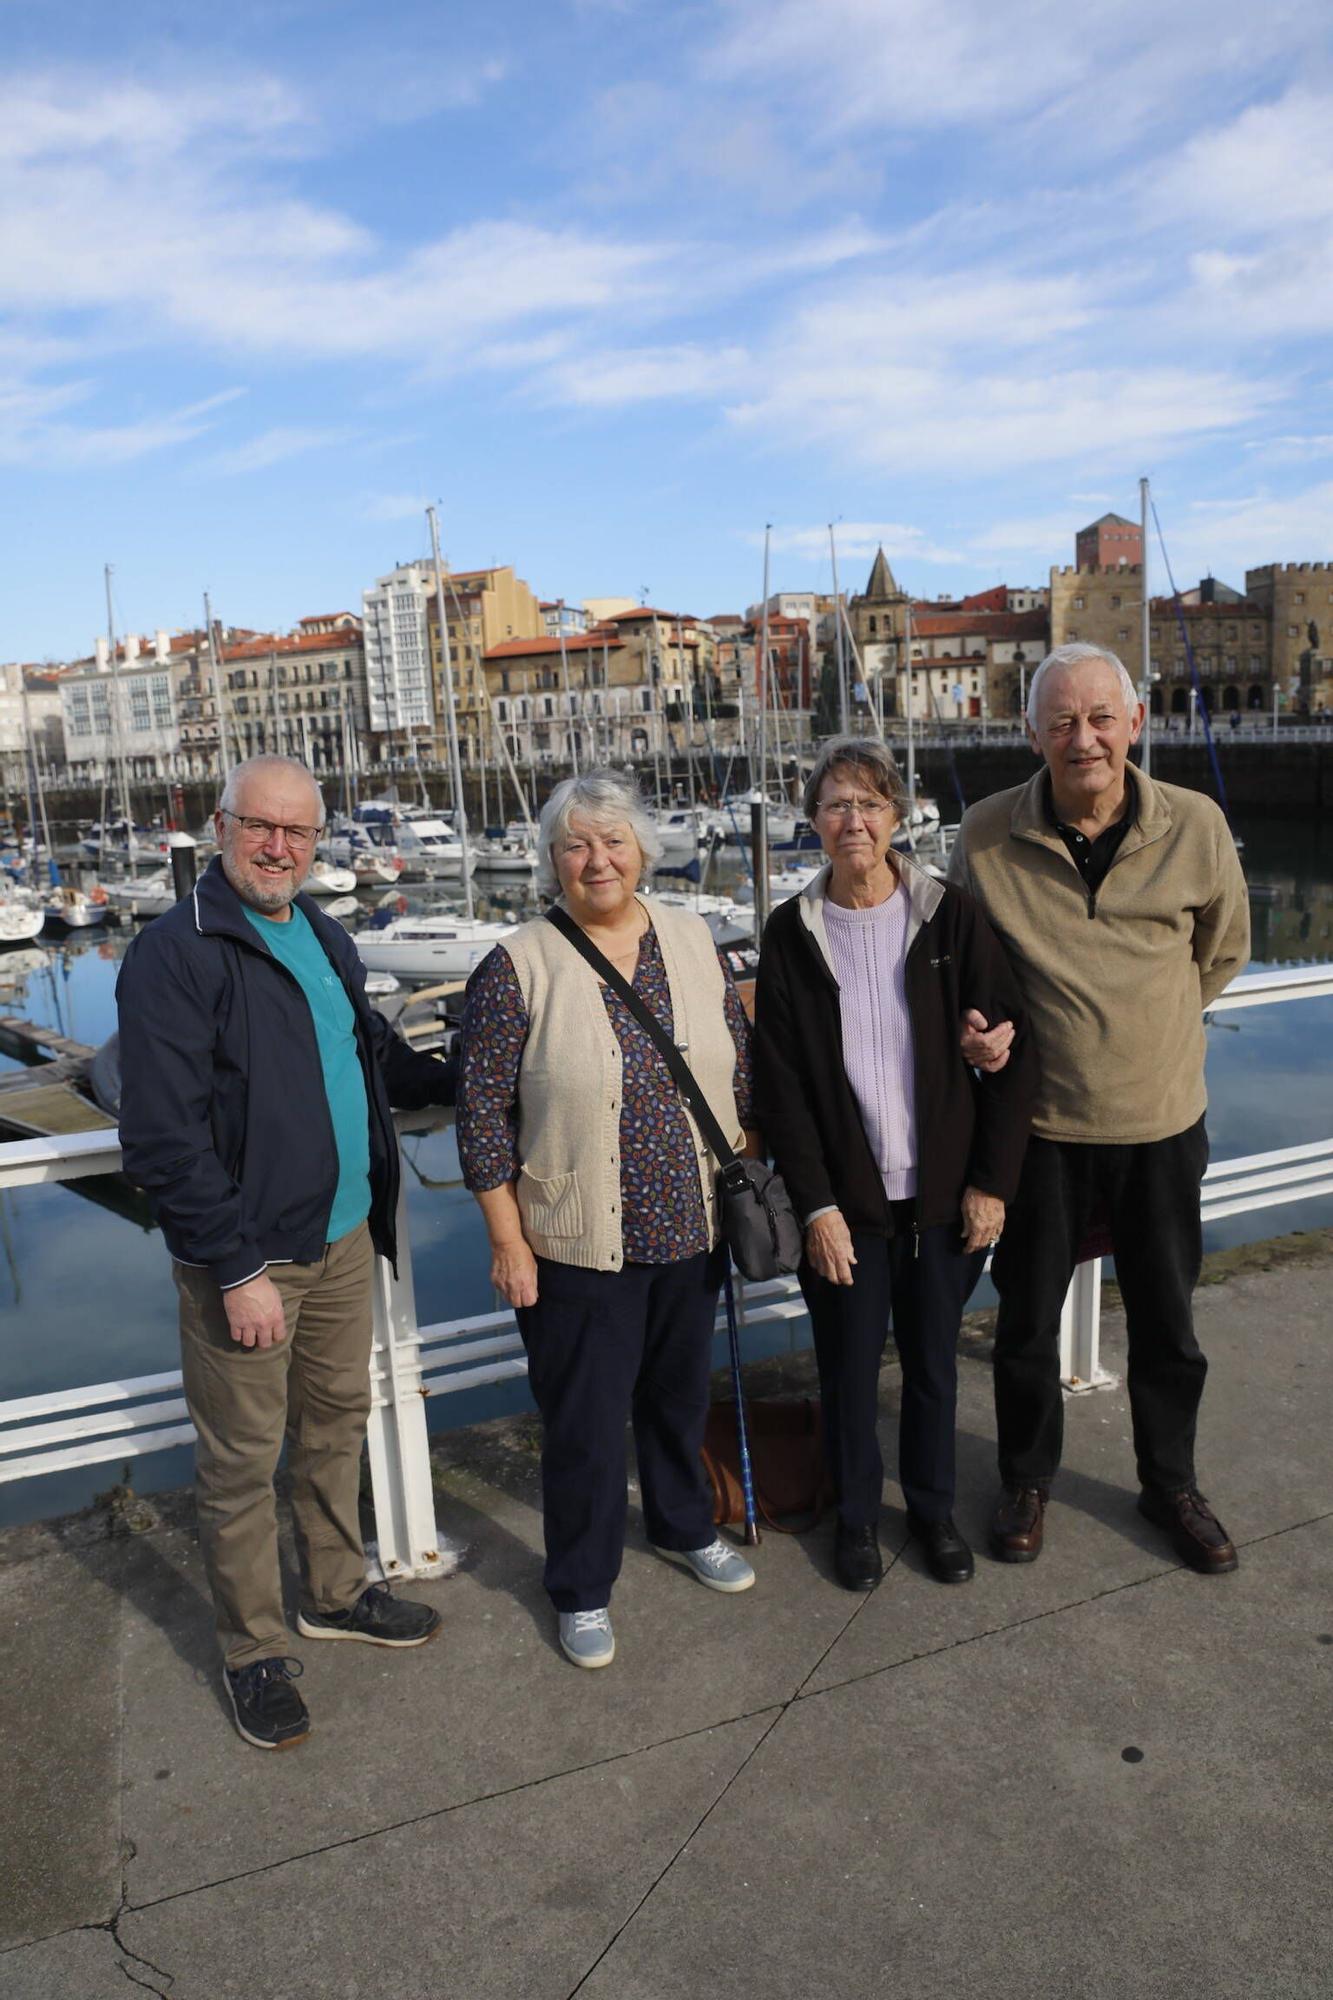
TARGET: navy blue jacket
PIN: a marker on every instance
(224, 1120)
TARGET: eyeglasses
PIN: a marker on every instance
(264, 829)
(868, 808)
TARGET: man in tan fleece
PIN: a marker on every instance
(1123, 909)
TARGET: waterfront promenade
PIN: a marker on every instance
(1099, 1776)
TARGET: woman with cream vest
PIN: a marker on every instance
(597, 1192)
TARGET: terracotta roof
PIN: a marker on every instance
(928, 624)
(995, 599)
(294, 642)
(576, 642)
(650, 611)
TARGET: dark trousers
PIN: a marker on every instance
(1149, 1195)
(924, 1282)
(603, 1346)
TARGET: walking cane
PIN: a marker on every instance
(742, 1435)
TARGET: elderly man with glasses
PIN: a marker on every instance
(256, 1086)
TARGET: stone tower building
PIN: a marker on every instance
(1296, 596)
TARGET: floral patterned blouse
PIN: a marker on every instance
(662, 1211)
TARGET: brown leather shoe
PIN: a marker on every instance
(1196, 1534)
(1016, 1524)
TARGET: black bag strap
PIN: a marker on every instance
(682, 1074)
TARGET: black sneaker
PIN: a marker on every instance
(378, 1617)
(269, 1712)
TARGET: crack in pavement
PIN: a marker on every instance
(802, 1693)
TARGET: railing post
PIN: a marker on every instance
(407, 1542)
(1080, 1332)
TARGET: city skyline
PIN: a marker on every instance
(616, 285)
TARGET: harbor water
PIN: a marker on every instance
(86, 1293)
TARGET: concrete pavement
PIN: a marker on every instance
(1099, 1775)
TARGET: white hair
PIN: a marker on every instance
(254, 766)
(604, 799)
(1073, 655)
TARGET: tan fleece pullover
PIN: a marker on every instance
(1115, 984)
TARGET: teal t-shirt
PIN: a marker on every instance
(296, 945)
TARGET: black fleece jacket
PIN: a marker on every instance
(223, 1117)
(971, 1129)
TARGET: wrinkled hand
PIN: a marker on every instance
(986, 1049)
(983, 1219)
(254, 1312)
(514, 1272)
(828, 1245)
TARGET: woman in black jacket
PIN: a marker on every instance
(899, 1157)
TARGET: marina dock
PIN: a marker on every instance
(1098, 1776)
(44, 1101)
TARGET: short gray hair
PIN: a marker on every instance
(603, 798)
(252, 766)
(1073, 655)
(870, 759)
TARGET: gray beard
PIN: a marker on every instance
(267, 902)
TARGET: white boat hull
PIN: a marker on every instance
(429, 947)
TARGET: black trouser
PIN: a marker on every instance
(603, 1346)
(1149, 1195)
(924, 1282)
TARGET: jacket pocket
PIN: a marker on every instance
(551, 1207)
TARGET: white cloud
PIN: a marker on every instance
(1272, 166)
(608, 380)
(31, 435)
(1293, 450)
(218, 248)
(1096, 73)
(1228, 536)
(858, 541)
(395, 507)
(1046, 537)
(283, 441)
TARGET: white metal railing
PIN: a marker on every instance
(65, 1429)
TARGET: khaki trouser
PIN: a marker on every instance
(313, 1388)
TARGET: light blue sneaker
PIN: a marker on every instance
(586, 1638)
(718, 1566)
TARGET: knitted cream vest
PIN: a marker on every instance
(569, 1084)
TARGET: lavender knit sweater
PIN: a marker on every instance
(869, 949)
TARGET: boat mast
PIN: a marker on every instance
(761, 678)
(844, 721)
(52, 868)
(223, 758)
(907, 697)
(564, 683)
(1145, 640)
(114, 737)
(450, 718)
(759, 811)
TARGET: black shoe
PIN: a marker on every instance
(269, 1712)
(378, 1618)
(948, 1558)
(857, 1562)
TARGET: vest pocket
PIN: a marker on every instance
(551, 1207)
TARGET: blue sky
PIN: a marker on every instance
(617, 283)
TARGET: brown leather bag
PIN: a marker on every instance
(791, 1483)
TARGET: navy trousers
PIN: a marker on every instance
(1150, 1196)
(603, 1346)
(923, 1282)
